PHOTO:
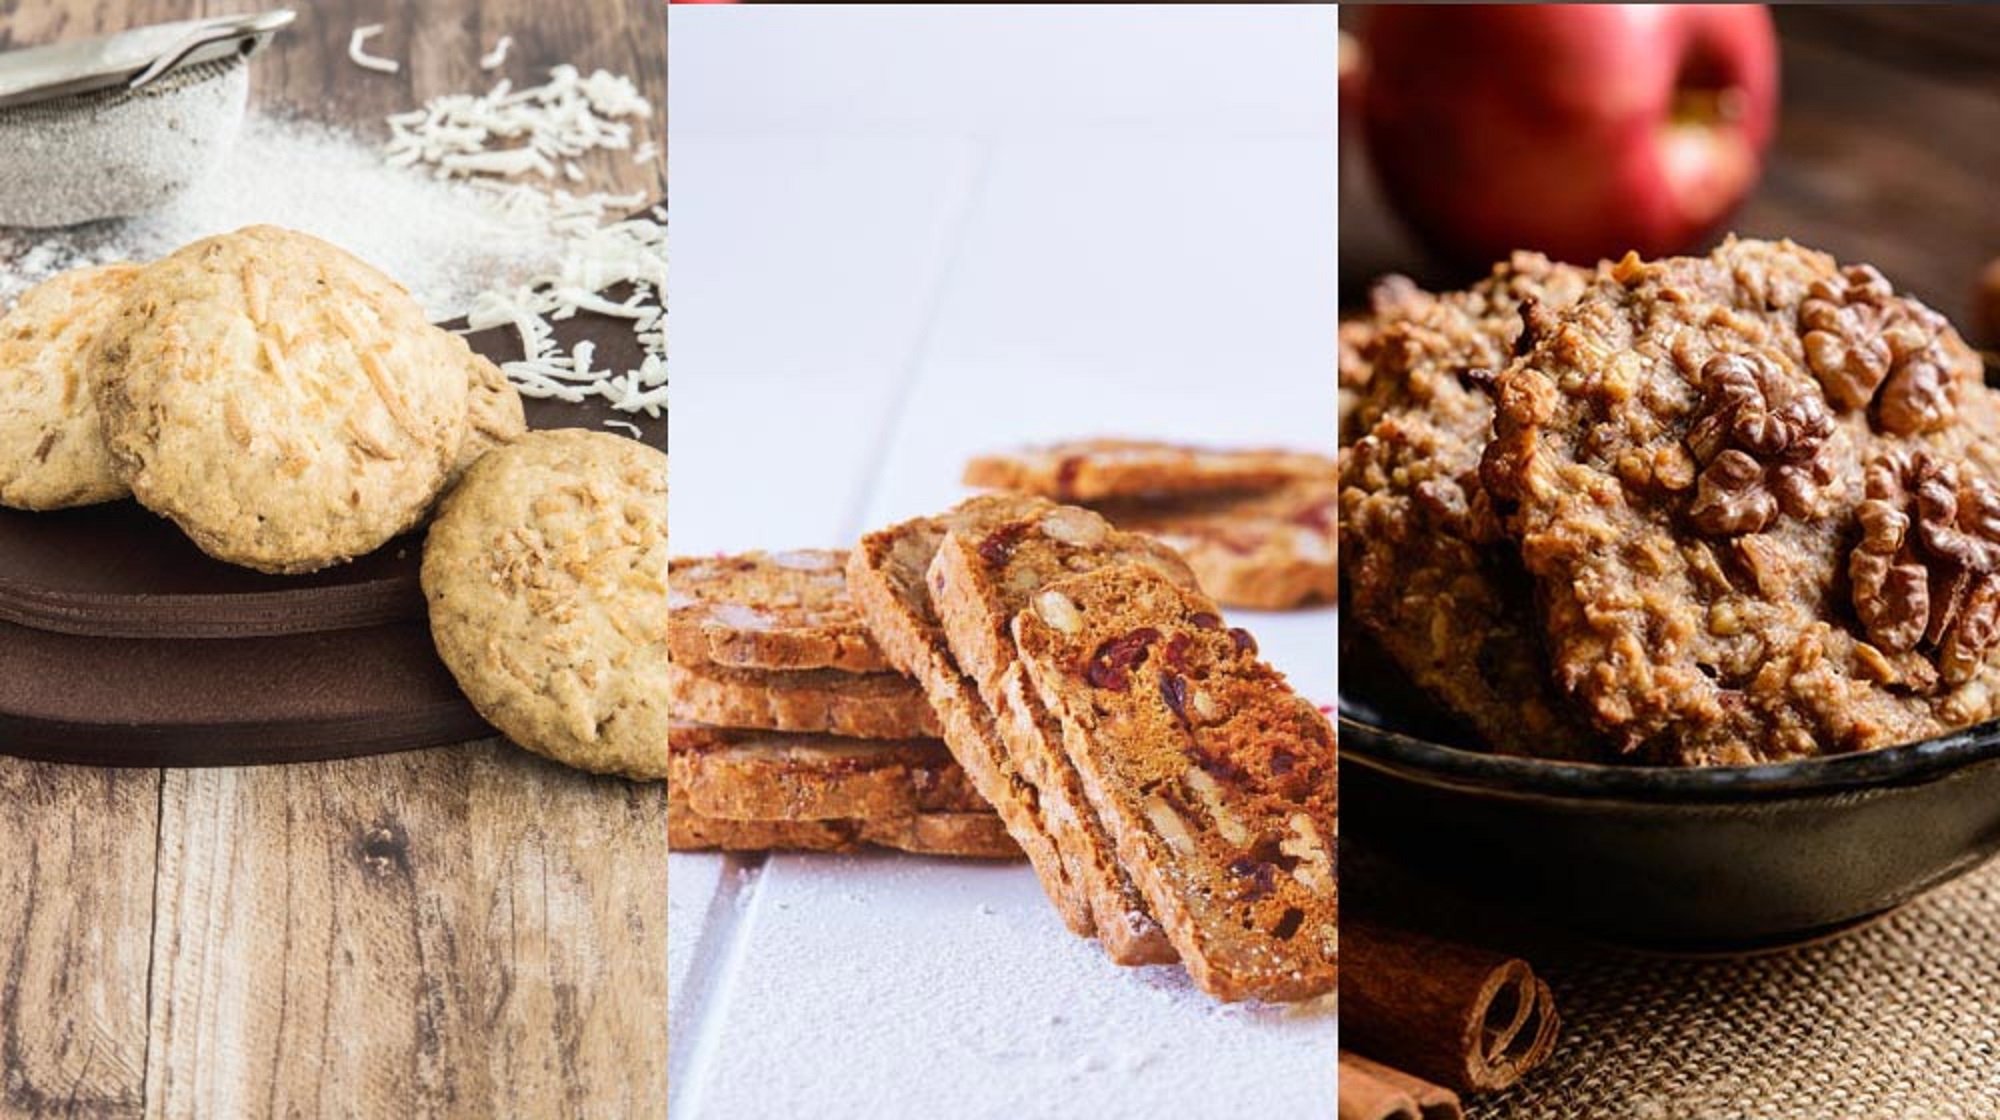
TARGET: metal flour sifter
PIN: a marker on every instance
(119, 124)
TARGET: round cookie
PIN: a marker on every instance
(52, 453)
(286, 405)
(494, 413)
(546, 571)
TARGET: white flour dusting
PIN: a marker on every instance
(446, 242)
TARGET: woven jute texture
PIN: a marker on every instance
(1899, 1020)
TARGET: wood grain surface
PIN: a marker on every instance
(1888, 146)
(467, 931)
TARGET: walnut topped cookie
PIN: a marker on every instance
(1750, 489)
(52, 453)
(1425, 567)
(1093, 469)
(769, 610)
(546, 572)
(286, 405)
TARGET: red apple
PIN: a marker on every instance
(1581, 130)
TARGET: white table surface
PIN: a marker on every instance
(882, 266)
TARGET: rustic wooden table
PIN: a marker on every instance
(1887, 150)
(466, 931)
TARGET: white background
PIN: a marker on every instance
(902, 236)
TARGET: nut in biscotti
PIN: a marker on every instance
(1213, 779)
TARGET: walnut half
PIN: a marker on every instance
(1868, 346)
(1926, 572)
(1761, 441)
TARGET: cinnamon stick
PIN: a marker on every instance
(1372, 1091)
(1468, 1018)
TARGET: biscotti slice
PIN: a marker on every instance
(979, 581)
(966, 835)
(767, 610)
(738, 774)
(1214, 779)
(1267, 550)
(885, 577)
(862, 705)
(1095, 469)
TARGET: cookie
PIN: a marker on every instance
(859, 705)
(546, 573)
(495, 415)
(1092, 470)
(1264, 550)
(735, 774)
(1759, 497)
(978, 582)
(1426, 569)
(283, 403)
(886, 578)
(1214, 779)
(769, 610)
(52, 452)
(965, 835)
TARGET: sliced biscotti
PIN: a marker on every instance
(1265, 550)
(767, 610)
(1214, 779)
(1095, 469)
(738, 774)
(862, 705)
(967, 835)
(885, 577)
(978, 581)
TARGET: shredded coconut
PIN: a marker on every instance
(358, 54)
(497, 57)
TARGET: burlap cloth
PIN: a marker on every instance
(1899, 1020)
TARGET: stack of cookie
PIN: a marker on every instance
(1257, 526)
(791, 729)
(1173, 794)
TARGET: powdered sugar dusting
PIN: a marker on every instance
(953, 986)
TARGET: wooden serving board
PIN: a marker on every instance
(121, 644)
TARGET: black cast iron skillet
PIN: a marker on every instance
(1724, 858)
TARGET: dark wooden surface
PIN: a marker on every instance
(466, 931)
(1888, 151)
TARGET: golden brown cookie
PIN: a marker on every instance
(965, 835)
(285, 404)
(1214, 779)
(546, 572)
(52, 453)
(737, 774)
(769, 610)
(861, 705)
(1095, 469)
(1263, 550)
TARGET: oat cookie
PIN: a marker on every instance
(886, 577)
(769, 610)
(1212, 777)
(1095, 469)
(495, 416)
(737, 774)
(978, 583)
(1264, 550)
(52, 453)
(1757, 495)
(546, 572)
(1426, 569)
(965, 835)
(860, 705)
(285, 404)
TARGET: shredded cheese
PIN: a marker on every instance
(358, 54)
